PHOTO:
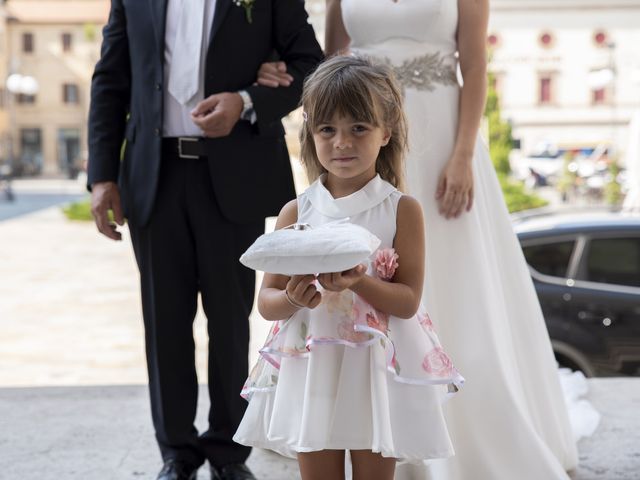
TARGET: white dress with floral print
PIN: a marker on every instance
(344, 375)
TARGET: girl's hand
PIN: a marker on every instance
(301, 291)
(338, 281)
(454, 193)
(274, 74)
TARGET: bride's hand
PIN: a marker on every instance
(274, 74)
(454, 193)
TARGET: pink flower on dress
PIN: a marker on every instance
(272, 334)
(386, 263)
(276, 328)
(346, 331)
(425, 321)
(338, 303)
(395, 364)
(378, 320)
(437, 363)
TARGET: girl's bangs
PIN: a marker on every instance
(346, 99)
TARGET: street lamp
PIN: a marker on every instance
(17, 84)
(23, 84)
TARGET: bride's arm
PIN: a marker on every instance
(336, 38)
(455, 186)
(472, 34)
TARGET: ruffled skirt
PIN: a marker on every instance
(344, 376)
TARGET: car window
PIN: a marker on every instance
(550, 258)
(614, 260)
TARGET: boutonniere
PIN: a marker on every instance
(248, 6)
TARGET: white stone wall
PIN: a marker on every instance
(519, 59)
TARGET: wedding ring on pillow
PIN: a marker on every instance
(298, 226)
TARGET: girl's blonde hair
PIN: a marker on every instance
(355, 87)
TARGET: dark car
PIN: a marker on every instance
(586, 270)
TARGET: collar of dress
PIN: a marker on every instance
(372, 194)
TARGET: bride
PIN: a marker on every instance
(510, 421)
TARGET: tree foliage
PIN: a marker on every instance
(515, 194)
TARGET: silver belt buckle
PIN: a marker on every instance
(185, 139)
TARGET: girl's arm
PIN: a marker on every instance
(336, 38)
(455, 186)
(401, 296)
(273, 303)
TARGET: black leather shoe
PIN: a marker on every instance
(234, 471)
(177, 470)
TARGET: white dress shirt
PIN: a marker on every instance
(177, 117)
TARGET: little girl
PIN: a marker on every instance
(352, 361)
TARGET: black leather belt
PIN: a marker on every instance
(185, 147)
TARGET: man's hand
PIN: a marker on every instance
(217, 115)
(338, 281)
(274, 74)
(104, 197)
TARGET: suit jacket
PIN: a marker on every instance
(249, 168)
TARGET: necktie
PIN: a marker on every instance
(184, 76)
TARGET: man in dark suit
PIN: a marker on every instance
(204, 162)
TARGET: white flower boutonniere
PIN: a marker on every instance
(248, 6)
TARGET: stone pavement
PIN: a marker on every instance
(94, 433)
(72, 399)
(104, 433)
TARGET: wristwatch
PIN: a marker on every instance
(247, 109)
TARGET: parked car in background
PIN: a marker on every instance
(586, 270)
(546, 164)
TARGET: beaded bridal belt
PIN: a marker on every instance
(424, 72)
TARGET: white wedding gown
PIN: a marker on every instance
(510, 421)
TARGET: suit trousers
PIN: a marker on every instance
(187, 248)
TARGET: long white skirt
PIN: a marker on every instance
(510, 421)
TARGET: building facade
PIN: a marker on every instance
(49, 49)
(567, 72)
